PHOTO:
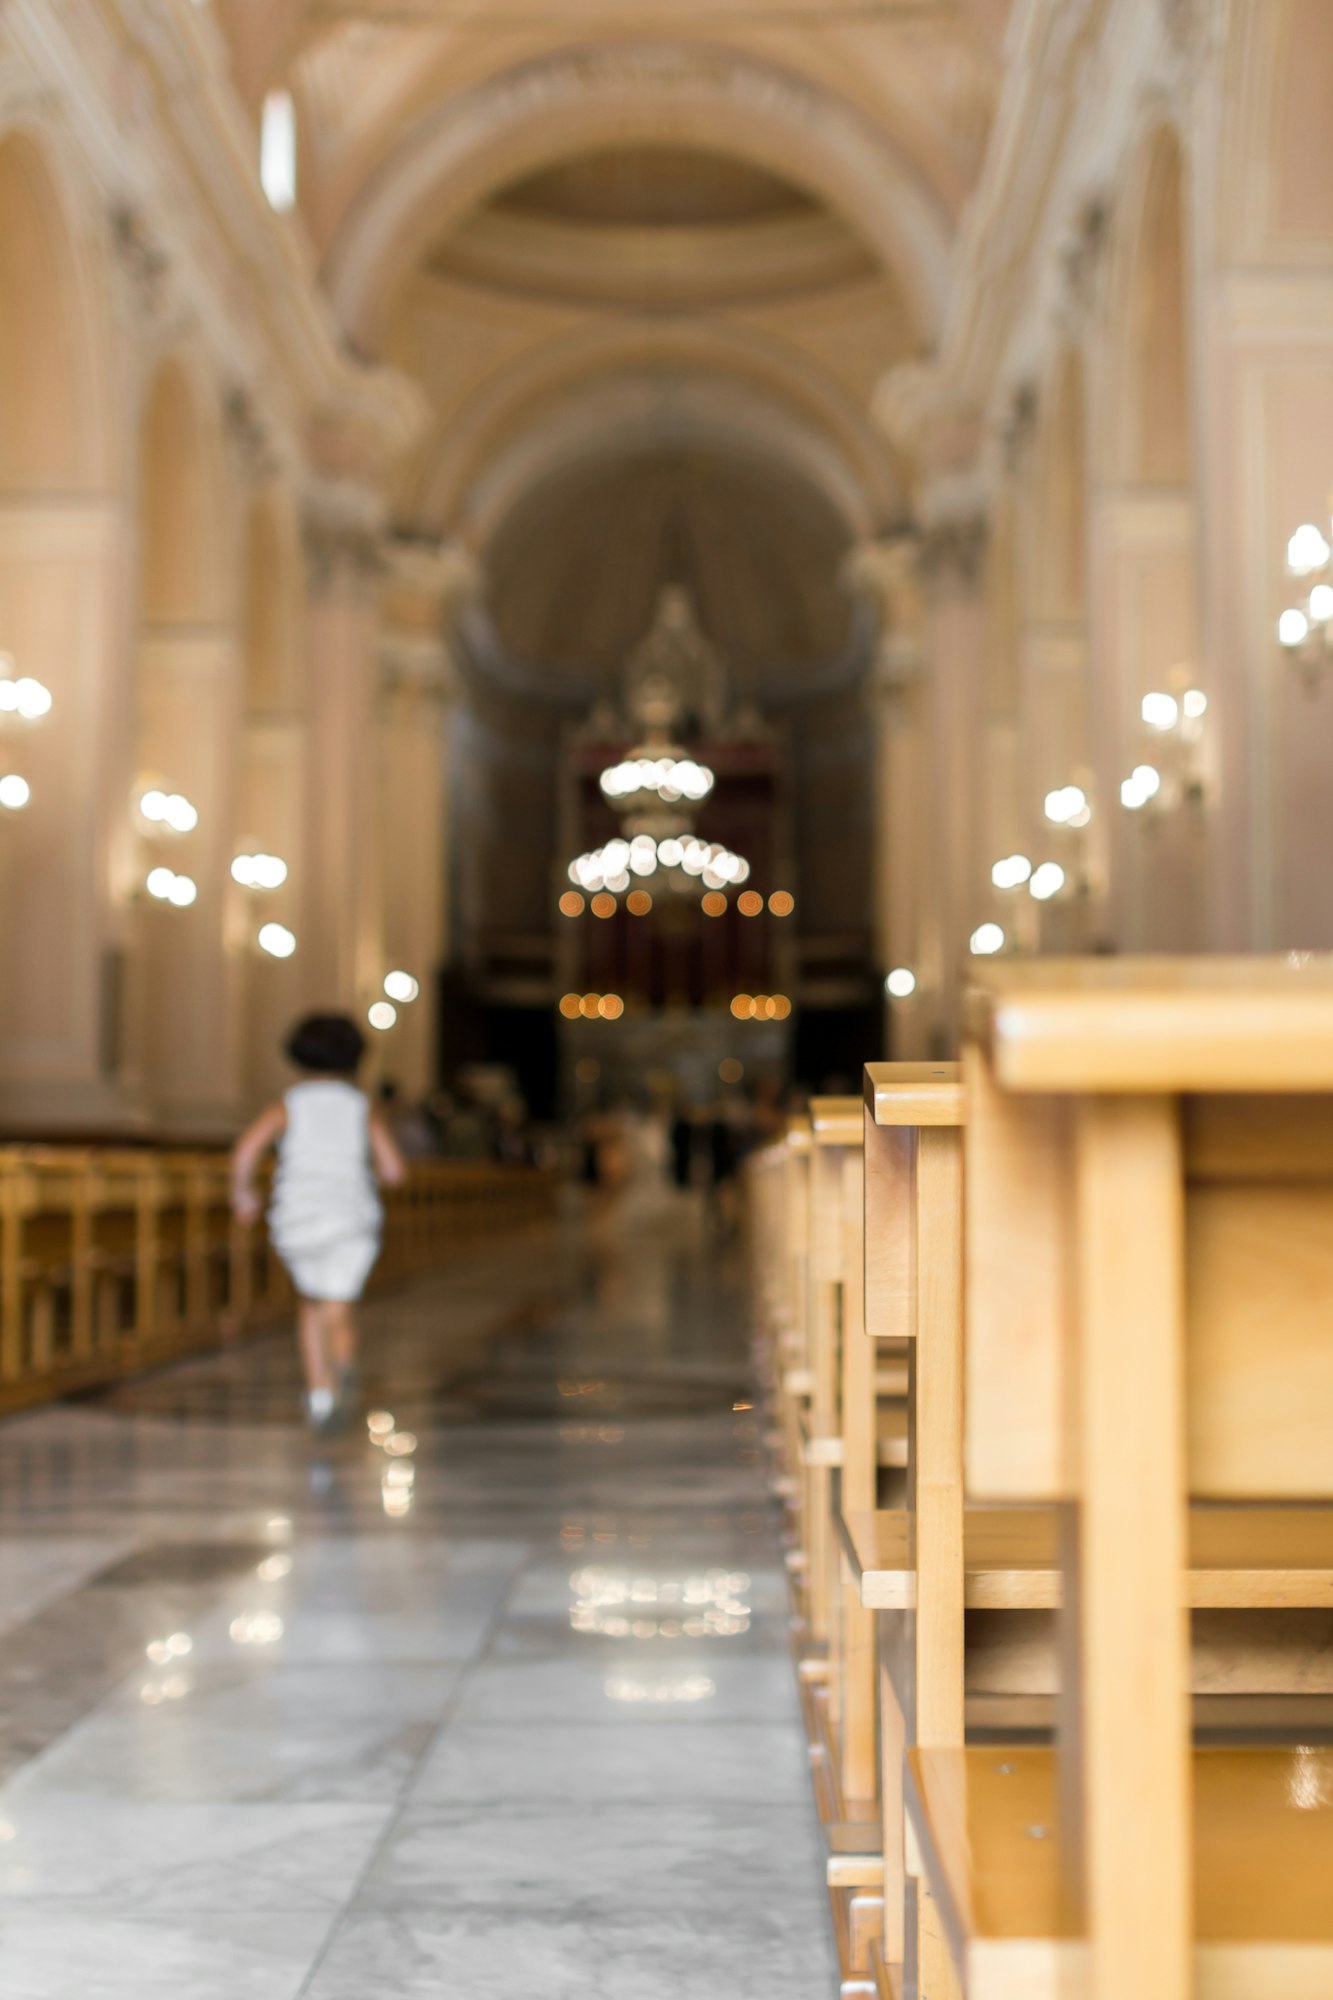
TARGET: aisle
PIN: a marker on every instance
(512, 1713)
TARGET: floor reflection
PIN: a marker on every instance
(513, 1647)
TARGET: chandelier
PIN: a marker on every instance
(672, 678)
(673, 862)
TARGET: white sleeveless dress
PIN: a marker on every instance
(325, 1218)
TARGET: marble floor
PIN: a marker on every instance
(497, 1701)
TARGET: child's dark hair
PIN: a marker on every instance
(326, 1045)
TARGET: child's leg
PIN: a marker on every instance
(340, 1326)
(314, 1346)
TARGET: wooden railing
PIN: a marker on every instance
(115, 1260)
(1068, 1676)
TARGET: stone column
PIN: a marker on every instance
(905, 932)
(426, 588)
(953, 558)
(62, 860)
(188, 1014)
(340, 951)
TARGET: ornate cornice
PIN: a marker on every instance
(342, 529)
(140, 93)
(953, 555)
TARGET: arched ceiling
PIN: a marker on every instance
(649, 262)
(577, 568)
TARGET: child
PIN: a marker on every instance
(325, 1216)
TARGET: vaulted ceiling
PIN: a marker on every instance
(650, 263)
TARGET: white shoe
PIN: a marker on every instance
(320, 1405)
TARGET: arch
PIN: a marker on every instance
(584, 99)
(52, 414)
(575, 396)
(1057, 564)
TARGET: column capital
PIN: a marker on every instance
(953, 555)
(418, 667)
(888, 574)
(429, 583)
(343, 530)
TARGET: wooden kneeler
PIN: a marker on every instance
(1149, 1297)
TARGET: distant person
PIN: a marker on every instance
(325, 1218)
(409, 1125)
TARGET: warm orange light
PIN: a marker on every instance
(572, 904)
(590, 1006)
(742, 1006)
(715, 904)
(730, 1070)
(781, 1007)
(611, 1007)
(570, 1006)
(638, 902)
(750, 904)
(781, 903)
(770, 1008)
(603, 905)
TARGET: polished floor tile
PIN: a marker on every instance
(510, 1709)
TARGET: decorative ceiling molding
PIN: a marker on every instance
(114, 78)
(593, 398)
(579, 99)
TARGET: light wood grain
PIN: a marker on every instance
(1240, 1557)
(1018, 1235)
(914, 1094)
(857, 1400)
(1125, 1678)
(1260, 1262)
(935, 1451)
(836, 1121)
(822, 1444)
(1261, 1911)
(890, 1236)
(1165, 1025)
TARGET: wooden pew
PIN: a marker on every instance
(113, 1259)
(1149, 1300)
(913, 1283)
(841, 1421)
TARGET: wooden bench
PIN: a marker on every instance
(117, 1258)
(1149, 1299)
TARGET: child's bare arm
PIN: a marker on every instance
(390, 1166)
(248, 1151)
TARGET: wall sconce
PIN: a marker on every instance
(28, 701)
(259, 871)
(1069, 806)
(276, 940)
(164, 885)
(1306, 630)
(1175, 724)
(25, 698)
(166, 814)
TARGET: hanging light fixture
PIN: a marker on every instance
(656, 789)
(1305, 630)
